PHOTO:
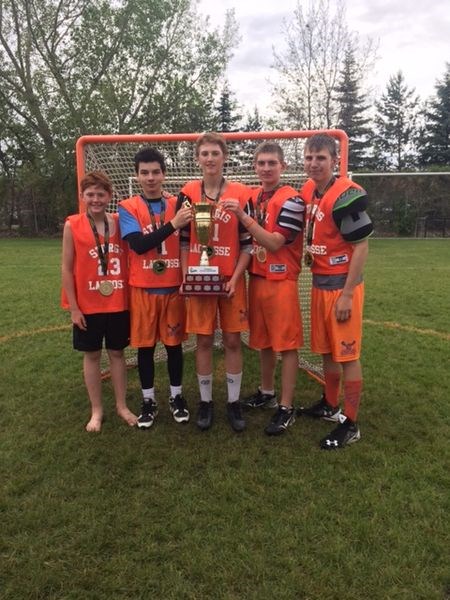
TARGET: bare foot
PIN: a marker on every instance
(127, 416)
(95, 424)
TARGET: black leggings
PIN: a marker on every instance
(146, 365)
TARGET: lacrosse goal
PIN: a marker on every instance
(114, 155)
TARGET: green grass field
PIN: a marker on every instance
(174, 513)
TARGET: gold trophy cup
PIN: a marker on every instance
(203, 228)
(204, 279)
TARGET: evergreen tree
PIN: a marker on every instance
(352, 110)
(242, 161)
(254, 121)
(396, 126)
(436, 137)
(227, 117)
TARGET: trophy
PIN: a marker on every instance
(204, 279)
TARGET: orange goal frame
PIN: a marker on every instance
(114, 154)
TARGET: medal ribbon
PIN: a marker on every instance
(162, 214)
(213, 201)
(261, 205)
(312, 218)
(102, 252)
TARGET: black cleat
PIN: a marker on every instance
(149, 410)
(321, 410)
(260, 400)
(347, 432)
(179, 409)
(235, 416)
(205, 415)
(281, 420)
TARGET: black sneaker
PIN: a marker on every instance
(235, 416)
(280, 421)
(149, 410)
(260, 400)
(205, 415)
(179, 409)
(321, 410)
(347, 432)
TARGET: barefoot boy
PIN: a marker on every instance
(274, 308)
(94, 276)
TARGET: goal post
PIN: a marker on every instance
(114, 155)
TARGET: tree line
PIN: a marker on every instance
(75, 67)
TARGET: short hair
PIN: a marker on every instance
(211, 138)
(322, 141)
(149, 154)
(269, 148)
(97, 178)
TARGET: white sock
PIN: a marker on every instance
(205, 387)
(175, 390)
(234, 381)
(148, 394)
(268, 392)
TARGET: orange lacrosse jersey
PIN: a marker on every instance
(141, 265)
(224, 233)
(285, 263)
(332, 254)
(88, 272)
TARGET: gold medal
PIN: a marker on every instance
(261, 254)
(159, 266)
(210, 251)
(308, 259)
(106, 288)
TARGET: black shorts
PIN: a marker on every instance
(114, 328)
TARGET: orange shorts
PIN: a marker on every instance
(156, 317)
(274, 314)
(328, 336)
(205, 314)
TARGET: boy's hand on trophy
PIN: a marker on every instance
(183, 217)
(232, 205)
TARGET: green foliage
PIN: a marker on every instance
(396, 126)
(177, 513)
(436, 134)
(71, 68)
(226, 115)
(352, 117)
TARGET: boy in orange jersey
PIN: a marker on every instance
(337, 248)
(150, 226)
(274, 307)
(94, 279)
(230, 247)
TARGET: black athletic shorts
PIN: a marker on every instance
(114, 328)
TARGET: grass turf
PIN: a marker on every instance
(177, 513)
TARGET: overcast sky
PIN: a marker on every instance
(412, 35)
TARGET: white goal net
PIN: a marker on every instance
(114, 154)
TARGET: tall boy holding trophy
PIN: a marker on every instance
(215, 245)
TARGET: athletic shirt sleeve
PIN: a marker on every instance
(128, 223)
(185, 232)
(245, 239)
(350, 216)
(290, 220)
